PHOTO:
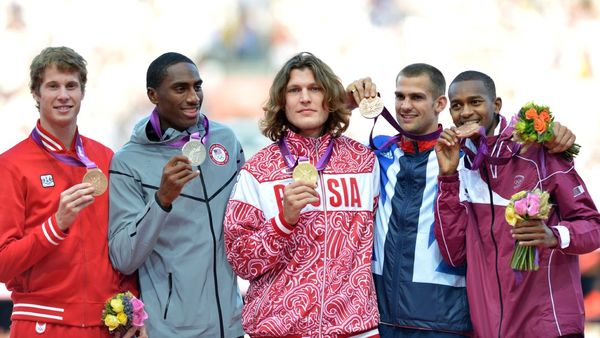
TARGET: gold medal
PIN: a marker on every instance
(370, 107)
(306, 172)
(194, 150)
(97, 179)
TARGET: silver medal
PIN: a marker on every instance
(194, 150)
(371, 107)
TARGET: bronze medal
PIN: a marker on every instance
(306, 172)
(194, 150)
(97, 179)
(370, 107)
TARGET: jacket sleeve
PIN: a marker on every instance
(578, 223)
(376, 186)
(134, 224)
(451, 218)
(253, 243)
(20, 251)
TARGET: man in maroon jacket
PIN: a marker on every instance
(471, 226)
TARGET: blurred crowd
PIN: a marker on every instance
(535, 49)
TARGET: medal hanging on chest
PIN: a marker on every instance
(303, 170)
(192, 146)
(94, 175)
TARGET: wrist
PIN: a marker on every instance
(163, 205)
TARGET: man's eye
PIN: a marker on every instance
(315, 89)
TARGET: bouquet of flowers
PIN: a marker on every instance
(535, 123)
(526, 205)
(122, 311)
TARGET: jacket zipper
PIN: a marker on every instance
(169, 296)
(214, 239)
(85, 293)
(324, 204)
(485, 170)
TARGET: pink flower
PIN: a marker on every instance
(533, 204)
(521, 206)
(139, 315)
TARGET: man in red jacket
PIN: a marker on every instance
(54, 212)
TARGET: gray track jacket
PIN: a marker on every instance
(185, 280)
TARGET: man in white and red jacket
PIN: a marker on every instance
(306, 246)
(471, 226)
(54, 228)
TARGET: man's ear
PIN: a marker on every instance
(497, 105)
(152, 95)
(440, 104)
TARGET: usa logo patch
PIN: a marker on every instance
(47, 181)
(218, 154)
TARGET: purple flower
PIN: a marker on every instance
(139, 315)
(521, 207)
(533, 204)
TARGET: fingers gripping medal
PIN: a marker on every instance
(195, 151)
(97, 179)
(371, 107)
(306, 172)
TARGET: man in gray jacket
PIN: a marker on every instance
(169, 186)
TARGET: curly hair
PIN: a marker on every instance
(274, 124)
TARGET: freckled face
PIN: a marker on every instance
(59, 98)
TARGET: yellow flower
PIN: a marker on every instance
(122, 317)
(117, 305)
(111, 321)
(518, 195)
(510, 215)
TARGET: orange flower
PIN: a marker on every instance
(531, 114)
(545, 116)
(539, 125)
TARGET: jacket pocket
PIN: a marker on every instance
(169, 295)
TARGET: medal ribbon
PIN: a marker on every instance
(178, 143)
(81, 161)
(482, 149)
(401, 132)
(291, 162)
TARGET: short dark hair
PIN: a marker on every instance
(64, 58)
(438, 82)
(158, 68)
(274, 123)
(473, 75)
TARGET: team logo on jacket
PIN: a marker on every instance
(40, 327)
(47, 181)
(518, 181)
(218, 154)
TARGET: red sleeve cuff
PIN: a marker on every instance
(448, 179)
(52, 232)
(281, 226)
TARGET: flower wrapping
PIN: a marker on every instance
(526, 205)
(122, 312)
(535, 123)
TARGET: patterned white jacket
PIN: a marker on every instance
(313, 278)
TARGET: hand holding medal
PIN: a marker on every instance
(371, 107)
(97, 179)
(306, 172)
(195, 151)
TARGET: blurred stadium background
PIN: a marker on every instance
(539, 50)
